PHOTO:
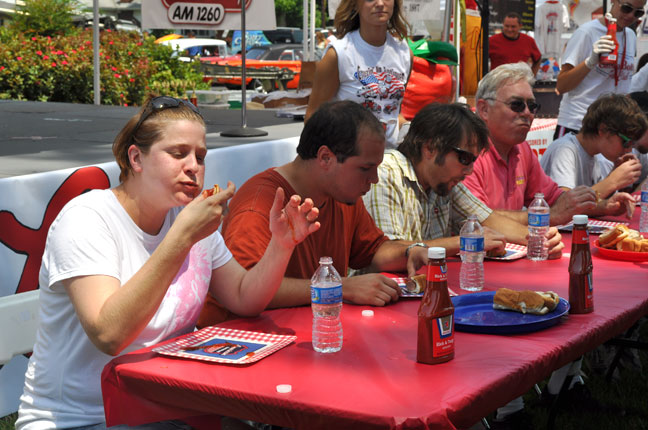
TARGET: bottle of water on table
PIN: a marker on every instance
(326, 302)
(643, 221)
(538, 216)
(471, 275)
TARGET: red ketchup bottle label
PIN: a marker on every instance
(437, 273)
(580, 237)
(442, 336)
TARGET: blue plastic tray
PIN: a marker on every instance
(474, 313)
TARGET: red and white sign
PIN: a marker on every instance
(208, 14)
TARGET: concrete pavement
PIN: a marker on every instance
(37, 137)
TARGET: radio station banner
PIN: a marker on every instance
(208, 14)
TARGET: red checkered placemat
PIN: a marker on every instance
(225, 345)
(513, 252)
(406, 293)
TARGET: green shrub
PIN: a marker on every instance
(60, 69)
(45, 17)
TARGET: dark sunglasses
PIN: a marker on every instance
(160, 103)
(627, 8)
(626, 141)
(466, 158)
(519, 105)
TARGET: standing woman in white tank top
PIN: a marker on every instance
(370, 62)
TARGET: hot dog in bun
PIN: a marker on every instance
(527, 302)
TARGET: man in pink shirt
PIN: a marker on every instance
(508, 175)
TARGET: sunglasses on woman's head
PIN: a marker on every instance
(160, 103)
(627, 8)
(466, 158)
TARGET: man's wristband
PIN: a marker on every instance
(407, 250)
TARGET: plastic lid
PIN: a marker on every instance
(284, 388)
(580, 219)
(436, 252)
(326, 260)
(539, 196)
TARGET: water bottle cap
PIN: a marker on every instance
(326, 260)
(539, 196)
(436, 252)
(284, 388)
(580, 219)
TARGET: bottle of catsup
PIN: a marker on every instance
(581, 293)
(435, 342)
(611, 57)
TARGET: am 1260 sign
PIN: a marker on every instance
(207, 12)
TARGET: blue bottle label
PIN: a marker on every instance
(472, 244)
(326, 296)
(644, 197)
(538, 220)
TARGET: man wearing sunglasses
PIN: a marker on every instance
(611, 126)
(419, 195)
(639, 150)
(508, 176)
(583, 78)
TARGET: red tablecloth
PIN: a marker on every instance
(375, 381)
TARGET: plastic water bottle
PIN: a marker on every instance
(538, 216)
(471, 276)
(326, 302)
(643, 221)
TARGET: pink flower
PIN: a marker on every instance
(72, 51)
(113, 68)
(117, 75)
(2, 67)
(65, 63)
(39, 52)
(111, 42)
(130, 52)
(53, 64)
(45, 57)
(131, 79)
(59, 52)
(126, 71)
(33, 37)
(18, 58)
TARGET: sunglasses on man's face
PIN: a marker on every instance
(627, 8)
(466, 158)
(160, 103)
(626, 142)
(518, 105)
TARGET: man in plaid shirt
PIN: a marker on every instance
(419, 195)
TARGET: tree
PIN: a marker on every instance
(45, 17)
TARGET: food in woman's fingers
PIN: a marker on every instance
(210, 192)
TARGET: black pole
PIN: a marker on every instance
(485, 15)
(243, 130)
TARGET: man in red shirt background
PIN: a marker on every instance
(511, 46)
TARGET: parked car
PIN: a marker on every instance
(285, 35)
(281, 55)
(212, 48)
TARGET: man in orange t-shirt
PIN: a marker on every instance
(339, 151)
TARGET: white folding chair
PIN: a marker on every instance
(19, 322)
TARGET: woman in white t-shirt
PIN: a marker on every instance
(128, 267)
(369, 62)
